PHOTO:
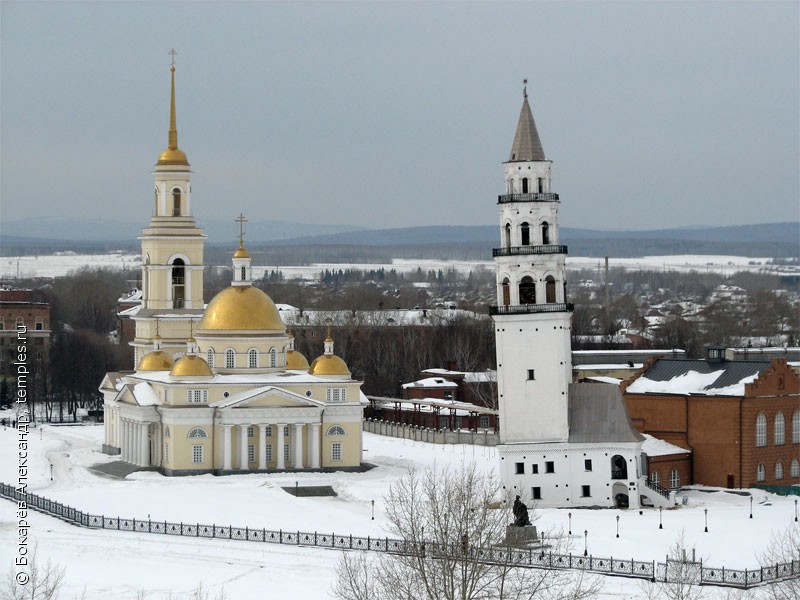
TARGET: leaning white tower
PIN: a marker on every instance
(532, 310)
(561, 444)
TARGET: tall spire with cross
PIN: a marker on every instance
(241, 258)
(172, 155)
(527, 146)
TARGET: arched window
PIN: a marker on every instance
(619, 467)
(178, 283)
(550, 289)
(796, 427)
(540, 185)
(335, 430)
(244, 273)
(525, 234)
(230, 358)
(507, 236)
(779, 470)
(761, 472)
(761, 430)
(527, 291)
(655, 478)
(20, 322)
(252, 358)
(524, 185)
(674, 479)
(210, 357)
(794, 470)
(197, 432)
(273, 358)
(545, 233)
(506, 292)
(176, 202)
(780, 429)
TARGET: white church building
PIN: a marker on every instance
(561, 444)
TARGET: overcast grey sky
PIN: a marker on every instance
(400, 114)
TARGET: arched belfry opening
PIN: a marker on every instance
(176, 202)
(178, 283)
(619, 467)
(524, 185)
(539, 186)
(527, 291)
(506, 292)
(545, 233)
(550, 289)
(525, 234)
(507, 236)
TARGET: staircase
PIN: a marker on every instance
(655, 493)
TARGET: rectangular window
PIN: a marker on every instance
(443, 424)
(549, 467)
(536, 493)
(587, 464)
(586, 491)
(286, 431)
(286, 453)
(269, 453)
(335, 394)
(535, 469)
(251, 453)
(484, 422)
(520, 468)
(166, 453)
(268, 431)
(336, 451)
(250, 431)
(197, 396)
(197, 454)
(530, 375)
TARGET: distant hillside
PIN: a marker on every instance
(771, 240)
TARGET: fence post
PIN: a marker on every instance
(264, 534)
(117, 522)
(297, 541)
(351, 541)
(280, 536)
(197, 531)
(134, 524)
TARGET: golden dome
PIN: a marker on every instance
(329, 364)
(191, 366)
(295, 361)
(241, 253)
(241, 308)
(173, 156)
(157, 360)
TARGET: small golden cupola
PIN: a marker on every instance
(295, 361)
(155, 360)
(329, 365)
(191, 364)
(173, 155)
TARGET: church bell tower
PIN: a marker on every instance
(172, 252)
(532, 317)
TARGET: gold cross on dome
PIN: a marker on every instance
(525, 87)
(174, 54)
(241, 220)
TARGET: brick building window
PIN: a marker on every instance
(779, 470)
(794, 470)
(655, 478)
(796, 427)
(761, 472)
(780, 429)
(674, 479)
(761, 430)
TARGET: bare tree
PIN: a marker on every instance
(40, 581)
(784, 547)
(444, 515)
(682, 576)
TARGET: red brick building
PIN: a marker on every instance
(24, 322)
(740, 419)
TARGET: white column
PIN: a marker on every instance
(313, 446)
(144, 458)
(187, 285)
(262, 447)
(227, 447)
(243, 447)
(121, 434)
(298, 446)
(279, 449)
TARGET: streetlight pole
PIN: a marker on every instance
(585, 542)
(751, 507)
(373, 510)
(296, 489)
(705, 510)
(795, 510)
(569, 515)
(51, 471)
(617, 525)
(660, 524)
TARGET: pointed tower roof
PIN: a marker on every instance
(172, 155)
(527, 145)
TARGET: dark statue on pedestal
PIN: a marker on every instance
(520, 514)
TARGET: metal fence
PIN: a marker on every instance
(669, 572)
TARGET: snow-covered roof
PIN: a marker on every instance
(607, 366)
(655, 447)
(145, 395)
(700, 377)
(601, 379)
(487, 376)
(434, 405)
(430, 382)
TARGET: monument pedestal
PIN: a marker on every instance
(521, 537)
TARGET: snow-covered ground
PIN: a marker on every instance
(111, 564)
(60, 264)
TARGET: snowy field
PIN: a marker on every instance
(120, 565)
(58, 265)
